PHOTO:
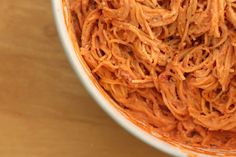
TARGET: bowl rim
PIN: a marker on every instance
(57, 7)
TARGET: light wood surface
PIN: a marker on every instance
(44, 110)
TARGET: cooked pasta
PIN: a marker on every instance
(170, 64)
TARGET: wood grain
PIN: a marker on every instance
(44, 110)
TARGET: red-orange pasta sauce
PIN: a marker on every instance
(169, 65)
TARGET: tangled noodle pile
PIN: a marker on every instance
(170, 64)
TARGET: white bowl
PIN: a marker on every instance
(61, 17)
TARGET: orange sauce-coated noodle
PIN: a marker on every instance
(170, 64)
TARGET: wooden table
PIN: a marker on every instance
(44, 110)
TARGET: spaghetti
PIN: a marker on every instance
(170, 64)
